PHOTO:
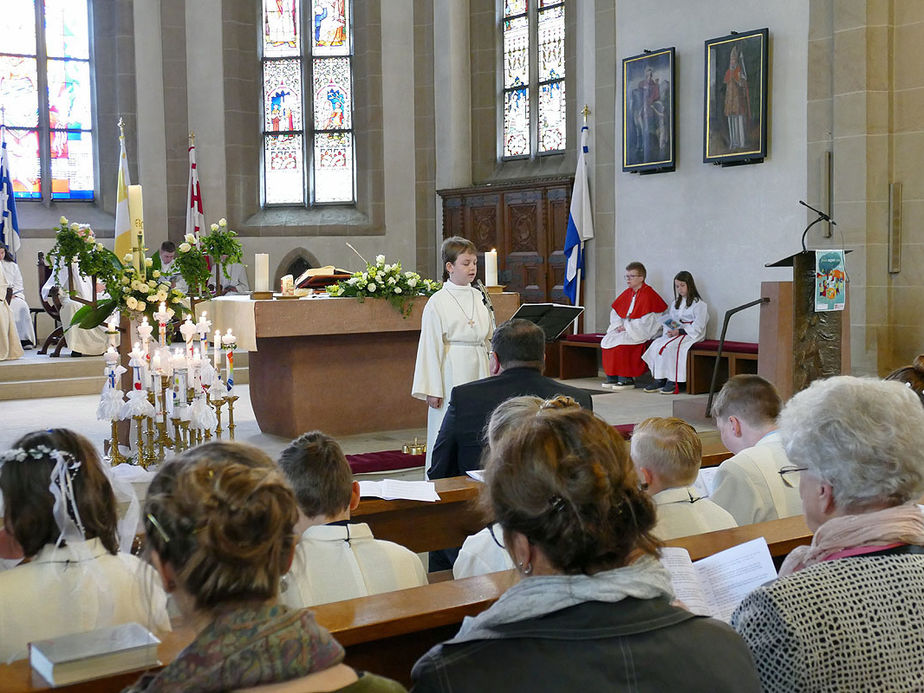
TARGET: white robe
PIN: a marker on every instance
(667, 356)
(18, 305)
(10, 348)
(90, 342)
(635, 330)
(237, 281)
(683, 513)
(451, 351)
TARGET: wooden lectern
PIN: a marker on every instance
(798, 345)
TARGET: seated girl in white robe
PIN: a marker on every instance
(18, 305)
(92, 342)
(683, 327)
(10, 348)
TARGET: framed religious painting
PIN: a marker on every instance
(648, 112)
(735, 119)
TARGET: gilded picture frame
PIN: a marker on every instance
(648, 141)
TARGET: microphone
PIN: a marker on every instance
(824, 216)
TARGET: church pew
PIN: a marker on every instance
(387, 633)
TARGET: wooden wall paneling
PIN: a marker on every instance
(559, 202)
(453, 216)
(525, 240)
(484, 217)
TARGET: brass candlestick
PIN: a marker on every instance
(139, 444)
(177, 437)
(115, 457)
(231, 399)
(152, 437)
(187, 435)
(218, 404)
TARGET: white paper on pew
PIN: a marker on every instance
(705, 481)
(476, 474)
(718, 583)
(393, 489)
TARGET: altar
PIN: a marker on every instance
(336, 365)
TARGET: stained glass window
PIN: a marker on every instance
(308, 152)
(48, 42)
(534, 73)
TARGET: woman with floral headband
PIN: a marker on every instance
(59, 506)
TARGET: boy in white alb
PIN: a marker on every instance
(667, 454)
(334, 558)
(759, 483)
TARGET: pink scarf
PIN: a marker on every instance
(902, 523)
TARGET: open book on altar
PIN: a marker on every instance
(317, 277)
(716, 585)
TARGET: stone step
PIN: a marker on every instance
(36, 388)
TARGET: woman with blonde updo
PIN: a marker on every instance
(219, 526)
(592, 610)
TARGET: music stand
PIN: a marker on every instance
(553, 318)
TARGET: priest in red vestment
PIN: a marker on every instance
(634, 321)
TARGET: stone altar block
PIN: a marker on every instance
(336, 365)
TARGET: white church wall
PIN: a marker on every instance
(721, 224)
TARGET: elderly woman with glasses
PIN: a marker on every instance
(592, 610)
(845, 613)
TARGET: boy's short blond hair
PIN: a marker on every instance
(669, 447)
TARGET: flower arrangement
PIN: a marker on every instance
(127, 290)
(388, 281)
(221, 245)
(76, 244)
(192, 265)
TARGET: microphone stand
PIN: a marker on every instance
(821, 217)
(486, 299)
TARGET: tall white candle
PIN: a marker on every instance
(490, 267)
(217, 348)
(136, 214)
(261, 271)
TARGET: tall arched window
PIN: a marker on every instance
(534, 73)
(45, 94)
(308, 139)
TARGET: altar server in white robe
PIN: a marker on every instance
(236, 280)
(683, 327)
(668, 453)
(92, 342)
(10, 348)
(18, 305)
(455, 336)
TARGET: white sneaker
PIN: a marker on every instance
(608, 386)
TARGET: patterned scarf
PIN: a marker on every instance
(245, 647)
(902, 523)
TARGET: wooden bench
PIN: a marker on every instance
(387, 633)
(737, 358)
(579, 356)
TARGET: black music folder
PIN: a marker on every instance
(553, 318)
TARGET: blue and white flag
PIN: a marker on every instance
(580, 224)
(9, 224)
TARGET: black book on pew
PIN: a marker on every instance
(553, 318)
(94, 654)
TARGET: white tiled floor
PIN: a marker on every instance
(79, 413)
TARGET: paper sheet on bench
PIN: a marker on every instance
(476, 474)
(715, 585)
(392, 489)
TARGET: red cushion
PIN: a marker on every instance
(737, 347)
(625, 430)
(589, 338)
(384, 461)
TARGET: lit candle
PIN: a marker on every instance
(111, 357)
(136, 359)
(261, 271)
(229, 342)
(490, 267)
(162, 316)
(203, 327)
(217, 349)
(112, 330)
(188, 330)
(136, 214)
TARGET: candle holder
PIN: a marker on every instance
(139, 444)
(177, 436)
(187, 435)
(261, 295)
(218, 403)
(115, 457)
(231, 399)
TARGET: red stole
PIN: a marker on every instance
(646, 301)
